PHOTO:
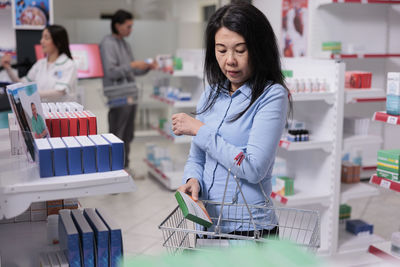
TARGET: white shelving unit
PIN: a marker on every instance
(315, 164)
(352, 243)
(357, 190)
(20, 184)
(364, 95)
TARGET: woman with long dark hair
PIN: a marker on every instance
(56, 74)
(243, 110)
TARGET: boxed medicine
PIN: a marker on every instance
(393, 93)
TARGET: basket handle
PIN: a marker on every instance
(237, 161)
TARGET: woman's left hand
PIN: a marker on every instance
(183, 124)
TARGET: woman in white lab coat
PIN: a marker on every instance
(56, 74)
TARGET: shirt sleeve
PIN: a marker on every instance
(195, 163)
(112, 68)
(66, 79)
(32, 73)
(268, 124)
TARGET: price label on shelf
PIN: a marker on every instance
(284, 144)
(385, 184)
(392, 120)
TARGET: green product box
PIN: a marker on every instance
(391, 157)
(332, 46)
(289, 185)
(287, 73)
(387, 175)
(344, 212)
(387, 167)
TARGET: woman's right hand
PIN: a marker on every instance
(141, 65)
(6, 61)
(192, 187)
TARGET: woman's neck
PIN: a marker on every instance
(52, 57)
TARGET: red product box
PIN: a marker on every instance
(55, 125)
(92, 122)
(73, 123)
(358, 79)
(64, 124)
(83, 123)
(47, 119)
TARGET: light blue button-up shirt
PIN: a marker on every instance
(256, 133)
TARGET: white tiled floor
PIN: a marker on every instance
(139, 213)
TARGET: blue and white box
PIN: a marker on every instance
(69, 238)
(86, 237)
(88, 154)
(59, 156)
(44, 157)
(393, 93)
(116, 249)
(101, 234)
(117, 151)
(74, 155)
(102, 153)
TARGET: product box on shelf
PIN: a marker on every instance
(69, 238)
(101, 235)
(350, 172)
(393, 93)
(117, 151)
(344, 212)
(358, 79)
(55, 125)
(73, 123)
(102, 153)
(59, 156)
(88, 154)
(86, 237)
(64, 124)
(83, 123)
(70, 203)
(389, 164)
(74, 155)
(44, 155)
(44, 260)
(24, 217)
(359, 227)
(92, 122)
(62, 259)
(54, 206)
(116, 248)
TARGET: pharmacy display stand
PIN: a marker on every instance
(20, 185)
(383, 249)
(191, 81)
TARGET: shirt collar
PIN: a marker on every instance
(244, 89)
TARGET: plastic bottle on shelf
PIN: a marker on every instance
(315, 85)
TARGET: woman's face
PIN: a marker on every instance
(232, 56)
(47, 43)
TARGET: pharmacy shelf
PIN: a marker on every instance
(361, 140)
(385, 183)
(349, 242)
(187, 73)
(357, 190)
(328, 97)
(383, 116)
(183, 139)
(364, 95)
(302, 198)
(367, 170)
(306, 145)
(360, 55)
(20, 184)
(171, 180)
(383, 250)
(174, 103)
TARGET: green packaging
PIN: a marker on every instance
(344, 212)
(289, 185)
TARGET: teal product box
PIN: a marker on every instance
(88, 154)
(117, 151)
(101, 235)
(74, 155)
(86, 237)
(102, 153)
(44, 157)
(393, 93)
(59, 156)
(69, 238)
(115, 248)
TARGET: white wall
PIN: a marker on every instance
(273, 11)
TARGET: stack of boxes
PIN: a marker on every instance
(388, 164)
(393, 93)
(90, 237)
(358, 79)
(344, 212)
(78, 155)
(350, 172)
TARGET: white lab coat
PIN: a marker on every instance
(59, 75)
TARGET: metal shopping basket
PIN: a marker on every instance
(298, 226)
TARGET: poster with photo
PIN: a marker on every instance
(294, 28)
(32, 14)
(25, 102)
